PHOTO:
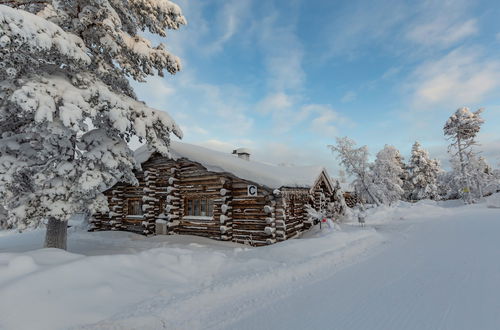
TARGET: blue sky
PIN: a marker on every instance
(284, 78)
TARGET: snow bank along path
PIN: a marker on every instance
(178, 284)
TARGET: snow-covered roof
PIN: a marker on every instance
(268, 175)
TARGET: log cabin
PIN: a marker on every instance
(227, 197)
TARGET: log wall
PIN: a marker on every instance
(165, 185)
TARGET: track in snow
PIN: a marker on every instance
(442, 274)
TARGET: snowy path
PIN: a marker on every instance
(442, 274)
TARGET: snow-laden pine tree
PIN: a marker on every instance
(67, 109)
(355, 162)
(387, 171)
(423, 175)
(461, 129)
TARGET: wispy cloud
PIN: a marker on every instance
(324, 120)
(282, 51)
(460, 77)
(442, 32)
(275, 102)
(233, 16)
(348, 97)
(397, 27)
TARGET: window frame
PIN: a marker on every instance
(193, 206)
(141, 203)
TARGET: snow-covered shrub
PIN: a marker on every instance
(315, 216)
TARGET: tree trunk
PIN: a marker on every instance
(56, 234)
(369, 192)
(467, 195)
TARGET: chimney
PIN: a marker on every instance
(242, 153)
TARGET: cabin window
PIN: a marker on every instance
(162, 203)
(135, 208)
(199, 206)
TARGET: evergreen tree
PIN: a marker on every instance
(67, 109)
(423, 175)
(387, 171)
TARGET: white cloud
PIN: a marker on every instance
(323, 120)
(275, 102)
(459, 78)
(442, 32)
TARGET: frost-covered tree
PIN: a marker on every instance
(423, 175)
(448, 186)
(482, 176)
(338, 206)
(387, 171)
(67, 109)
(355, 162)
(461, 129)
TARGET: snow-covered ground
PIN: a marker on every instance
(422, 266)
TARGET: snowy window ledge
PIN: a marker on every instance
(135, 217)
(198, 218)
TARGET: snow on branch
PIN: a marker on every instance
(167, 15)
(56, 97)
(20, 29)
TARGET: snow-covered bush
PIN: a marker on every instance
(67, 109)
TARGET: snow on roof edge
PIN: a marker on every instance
(267, 175)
